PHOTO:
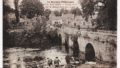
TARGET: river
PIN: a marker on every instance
(17, 57)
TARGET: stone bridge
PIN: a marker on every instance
(92, 45)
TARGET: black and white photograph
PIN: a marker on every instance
(59, 33)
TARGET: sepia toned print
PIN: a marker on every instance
(59, 33)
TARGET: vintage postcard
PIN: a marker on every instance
(59, 33)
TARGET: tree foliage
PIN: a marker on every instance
(63, 11)
(107, 17)
(107, 14)
(47, 12)
(31, 7)
(16, 10)
(6, 8)
(76, 11)
(87, 7)
(57, 13)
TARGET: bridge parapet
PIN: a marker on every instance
(99, 35)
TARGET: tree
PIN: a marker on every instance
(47, 12)
(6, 10)
(63, 11)
(87, 7)
(76, 11)
(107, 14)
(6, 37)
(31, 7)
(57, 13)
(16, 10)
(107, 17)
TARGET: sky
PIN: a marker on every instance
(55, 4)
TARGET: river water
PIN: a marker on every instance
(17, 57)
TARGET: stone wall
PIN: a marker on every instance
(104, 44)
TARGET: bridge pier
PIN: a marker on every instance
(67, 44)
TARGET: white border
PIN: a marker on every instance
(1, 34)
(118, 34)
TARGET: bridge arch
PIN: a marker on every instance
(89, 52)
